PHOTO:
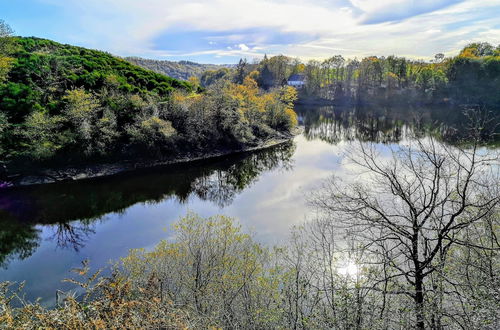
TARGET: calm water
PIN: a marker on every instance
(47, 230)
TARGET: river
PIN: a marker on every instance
(45, 231)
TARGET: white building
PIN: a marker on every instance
(297, 80)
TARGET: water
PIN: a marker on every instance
(45, 231)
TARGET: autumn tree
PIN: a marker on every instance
(280, 69)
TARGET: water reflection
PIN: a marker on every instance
(55, 227)
(73, 208)
(383, 125)
(17, 240)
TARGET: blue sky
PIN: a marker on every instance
(222, 31)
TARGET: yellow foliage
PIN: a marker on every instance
(293, 116)
(194, 81)
(137, 101)
(155, 124)
(254, 75)
(252, 103)
(80, 104)
(469, 52)
(288, 95)
(5, 65)
(183, 98)
(112, 80)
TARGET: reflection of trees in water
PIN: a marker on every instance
(69, 235)
(334, 125)
(222, 185)
(17, 240)
(334, 131)
(217, 180)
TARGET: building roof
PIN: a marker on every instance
(297, 77)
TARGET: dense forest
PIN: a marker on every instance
(472, 78)
(180, 70)
(64, 104)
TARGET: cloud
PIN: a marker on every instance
(390, 10)
(244, 47)
(218, 29)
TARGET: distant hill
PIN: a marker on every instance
(179, 70)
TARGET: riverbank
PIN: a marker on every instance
(91, 171)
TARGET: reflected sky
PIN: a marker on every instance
(45, 231)
(268, 206)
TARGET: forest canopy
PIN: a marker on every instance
(66, 104)
(470, 78)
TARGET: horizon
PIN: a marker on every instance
(222, 32)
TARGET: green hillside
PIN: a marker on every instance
(62, 99)
(61, 104)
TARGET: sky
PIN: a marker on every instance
(223, 31)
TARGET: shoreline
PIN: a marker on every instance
(100, 170)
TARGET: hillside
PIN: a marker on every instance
(62, 99)
(62, 105)
(180, 70)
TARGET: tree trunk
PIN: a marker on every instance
(419, 300)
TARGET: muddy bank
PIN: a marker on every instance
(73, 173)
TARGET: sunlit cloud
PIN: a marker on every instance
(224, 30)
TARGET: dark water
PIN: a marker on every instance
(47, 230)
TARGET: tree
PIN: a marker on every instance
(266, 77)
(212, 268)
(195, 81)
(280, 69)
(41, 134)
(210, 77)
(411, 209)
(5, 32)
(5, 49)
(438, 58)
(338, 63)
(478, 49)
(370, 72)
(314, 77)
(241, 71)
(81, 110)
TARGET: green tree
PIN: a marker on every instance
(241, 71)
(42, 134)
(81, 111)
(212, 267)
(5, 50)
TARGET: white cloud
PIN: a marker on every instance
(387, 10)
(244, 47)
(425, 27)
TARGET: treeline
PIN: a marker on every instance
(183, 70)
(64, 104)
(472, 77)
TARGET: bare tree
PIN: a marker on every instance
(409, 209)
(5, 29)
